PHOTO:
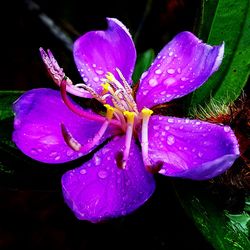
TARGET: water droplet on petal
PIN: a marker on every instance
(85, 79)
(171, 71)
(145, 92)
(96, 79)
(156, 134)
(94, 65)
(170, 140)
(53, 154)
(184, 79)
(144, 74)
(158, 72)
(170, 120)
(34, 151)
(156, 127)
(169, 81)
(105, 150)
(83, 171)
(80, 154)
(227, 129)
(97, 160)
(102, 174)
(57, 158)
(163, 92)
(179, 70)
(167, 128)
(170, 53)
(200, 154)
(99, 71)
(153, 82)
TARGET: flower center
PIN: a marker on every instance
(122, 111)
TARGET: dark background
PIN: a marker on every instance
(39, 219)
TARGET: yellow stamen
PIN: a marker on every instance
(130, 116)
(110, 111)
(146, 112)
(106, 87)
(110, 77)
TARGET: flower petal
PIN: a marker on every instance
(99, 190)
(98, 52)
(39, 114)
(191, 148)
(182, 66)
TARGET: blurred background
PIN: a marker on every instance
(39, 219)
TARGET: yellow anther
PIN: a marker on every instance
(110, 77)
(106, 87)
(146, 112)
(110, 111)
(130, 116)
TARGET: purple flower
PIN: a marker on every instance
(119, 177)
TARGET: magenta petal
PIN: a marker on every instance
(191, 148)
(99, 52)
(182, 66)
(99, 190)
(38, 117)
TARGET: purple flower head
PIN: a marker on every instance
(50, 128)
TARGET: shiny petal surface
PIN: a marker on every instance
(99, 190)
(182, 66)
(38, 117)
(99, 52)
(191, 148)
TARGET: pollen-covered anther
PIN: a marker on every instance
(106, 88)
(110, 111)
(146, 112)
(110, 77)
(130, 116)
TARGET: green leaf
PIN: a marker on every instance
(6, 100)
(206, 21)
(143, 62)
(225, 231)
(229, 21)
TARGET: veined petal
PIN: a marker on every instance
(39, 114)
(98, 52)
(182, 66)
(191, 148)
(99, 190)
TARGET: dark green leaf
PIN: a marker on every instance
(143, 62)
(222, 229)
(206, 19)
(6, 100)
(230, 22)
